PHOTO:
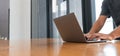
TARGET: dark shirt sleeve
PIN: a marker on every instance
(105, 8)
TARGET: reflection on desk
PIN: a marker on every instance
(19, 48)
(54, 47)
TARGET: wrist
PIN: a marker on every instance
(91, 32)
(111, 37)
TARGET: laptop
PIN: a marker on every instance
(70, 29)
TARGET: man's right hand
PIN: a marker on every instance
(93, 36)
(89, 36)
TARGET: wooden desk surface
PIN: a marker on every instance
(54, 47)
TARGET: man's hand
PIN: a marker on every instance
(98, 36)
(89, 36)
(103, 36)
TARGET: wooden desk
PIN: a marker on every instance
(54, 47)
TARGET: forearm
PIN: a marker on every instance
(98, 24)
(96, 28)
(115, 33)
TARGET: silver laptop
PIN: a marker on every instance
(70, 29)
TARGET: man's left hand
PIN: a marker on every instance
(102, 36)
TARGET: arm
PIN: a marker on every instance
(93, 33)
(115, 33)
(98, 24)
(105, 13)
(96, 27)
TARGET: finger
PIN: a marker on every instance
(87, 36)
(92, 37)
(101, 37)
(98, 34)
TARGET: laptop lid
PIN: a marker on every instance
(69, 28)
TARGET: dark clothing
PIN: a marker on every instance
(112, 8)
